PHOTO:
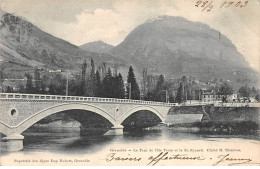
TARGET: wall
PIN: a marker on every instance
(213, 113)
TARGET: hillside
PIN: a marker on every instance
(24, 46)
(174, 46)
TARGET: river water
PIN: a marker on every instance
(69, 141)
(65, 146)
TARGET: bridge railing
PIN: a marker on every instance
(20, 96)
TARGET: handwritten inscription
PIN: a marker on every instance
(157, 159)
(165, 156)
(209, 5)
(232, 161)
(113, 157)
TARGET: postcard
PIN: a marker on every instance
(129, 83)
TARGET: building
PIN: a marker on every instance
(211, 96)
(232, 98)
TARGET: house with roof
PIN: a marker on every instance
(213, 96)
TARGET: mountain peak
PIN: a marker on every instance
(24, 46)
(177, 22)
(153, 19)
(97, 46)
(172, 45)
(165, 18)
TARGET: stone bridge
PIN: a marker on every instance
(20, 111)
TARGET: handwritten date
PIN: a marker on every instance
(208, 5)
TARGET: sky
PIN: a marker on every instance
(83, 21)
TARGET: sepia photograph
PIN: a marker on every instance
(129, 83)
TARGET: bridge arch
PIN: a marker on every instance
(140, 108)
(28, 122)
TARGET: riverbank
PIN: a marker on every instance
(218, 127)
(191, 114)
(215, 120)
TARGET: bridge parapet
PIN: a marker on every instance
(20, 96)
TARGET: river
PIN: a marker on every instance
(65, 146)
(69, 141)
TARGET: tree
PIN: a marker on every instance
(9, 89)
(107, 85)
(135, 92)
(75, 86)
(180, 93)
(98, 85)
(254, 90)
(37, 80)
(150, 96)
(169, 85)
(185, 87)
(160, 83)
(43, 85)
(144, 91)
(244, 91)
(198, 94)
(92, 80)
(225, 89)
(159, 90)
(52, 89)
(257, 97)
(57, 85)
(21, 88)
(83, 79)
(103, 70)
(184, 79)
(60, 84)
(29, 88)
(120, 89)
(1, 75)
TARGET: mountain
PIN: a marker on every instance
(23, 46)
(97, 46)
(166, 45)
(174, 46)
